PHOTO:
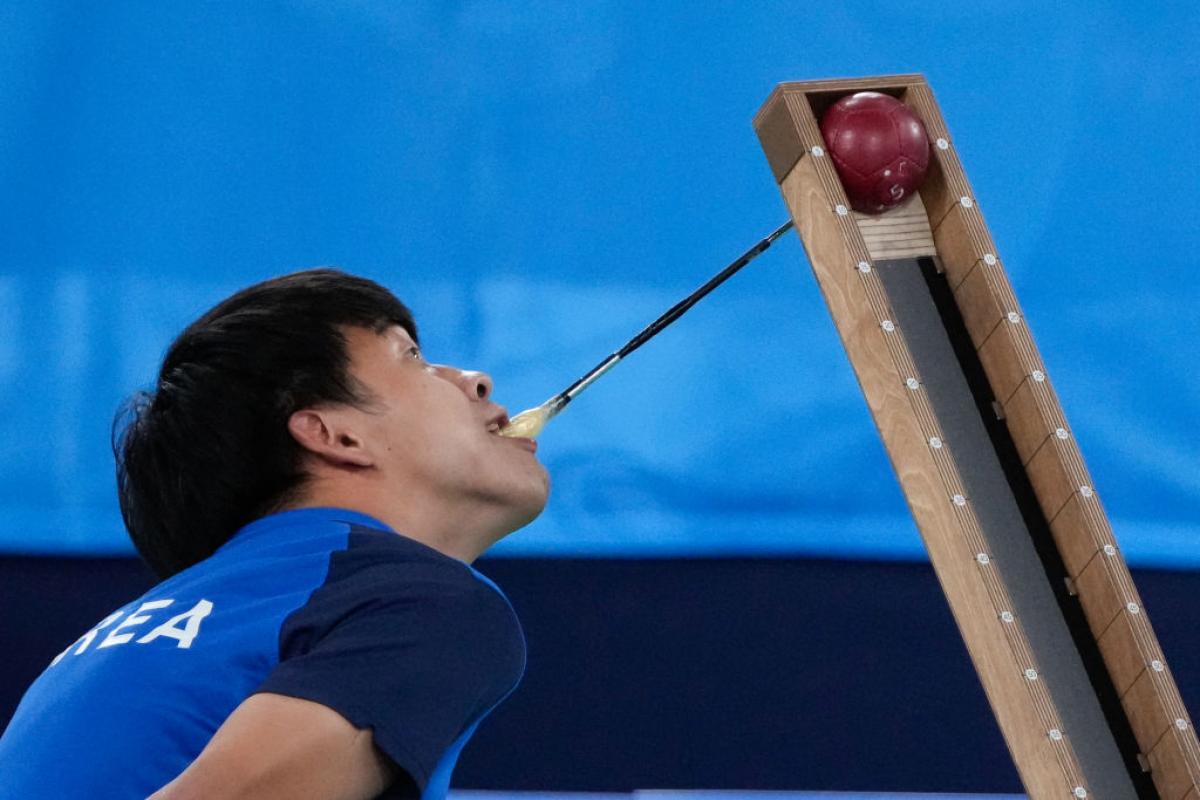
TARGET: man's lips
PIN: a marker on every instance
(528, 444)
(499, 421)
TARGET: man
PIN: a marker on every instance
(312, 492)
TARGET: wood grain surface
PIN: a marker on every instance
(842, 247)
(1048, 768)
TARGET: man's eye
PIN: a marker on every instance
(415, 352)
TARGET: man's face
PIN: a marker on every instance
(433, 425)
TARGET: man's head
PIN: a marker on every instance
(310, 389)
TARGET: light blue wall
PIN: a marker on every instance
(540, 179)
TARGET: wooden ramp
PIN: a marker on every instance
(1010, 516)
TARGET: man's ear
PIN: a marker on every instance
(324, 434)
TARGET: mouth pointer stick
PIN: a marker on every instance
(529, 423)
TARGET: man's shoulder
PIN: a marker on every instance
(398, 564)
(388, 590)
(390, 567)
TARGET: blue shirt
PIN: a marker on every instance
(322, 604)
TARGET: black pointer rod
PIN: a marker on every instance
(528, 424)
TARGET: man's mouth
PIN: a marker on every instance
(497, 422)
(500, 421)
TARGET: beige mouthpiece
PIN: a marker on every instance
(528, 424)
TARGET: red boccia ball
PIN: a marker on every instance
(879, 148)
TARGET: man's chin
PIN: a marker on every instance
(528, 504)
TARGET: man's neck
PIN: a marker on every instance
(433, 524)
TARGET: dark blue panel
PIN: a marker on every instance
(704, 673)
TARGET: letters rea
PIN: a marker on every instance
(183, 628)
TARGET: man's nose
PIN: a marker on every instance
(476, 385)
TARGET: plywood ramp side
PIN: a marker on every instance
(832, 260)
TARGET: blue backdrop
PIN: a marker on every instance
(540, 179)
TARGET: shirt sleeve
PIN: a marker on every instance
(417, 656)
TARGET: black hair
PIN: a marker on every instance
(208, 450)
